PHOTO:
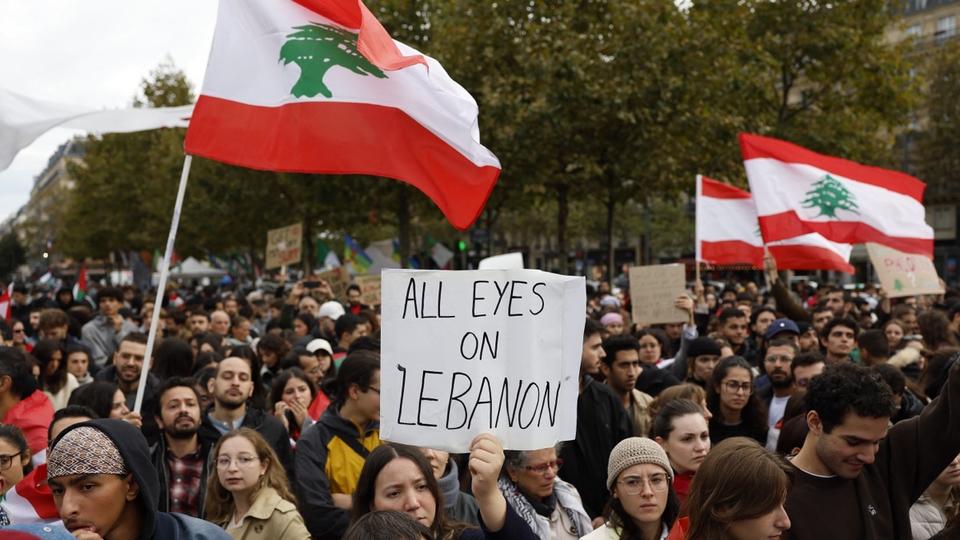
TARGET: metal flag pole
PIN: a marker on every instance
(162, 286)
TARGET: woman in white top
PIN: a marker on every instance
(55, 381)
(938, 503)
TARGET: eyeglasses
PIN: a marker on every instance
(544, 467)
(375, 389)
(223, 462)
(734, 386)
(634, 485)
(6, 460)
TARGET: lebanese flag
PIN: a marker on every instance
(728, 232)
(6, 301)
(798, 192)
(318, 86)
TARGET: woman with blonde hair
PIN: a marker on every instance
(737, 494)
(247, 492)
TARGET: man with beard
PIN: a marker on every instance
(231, 387)
(180, 458)
(776, 363)
(125, 373)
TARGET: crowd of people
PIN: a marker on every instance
(770, 411)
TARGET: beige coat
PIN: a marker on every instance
(271, 518)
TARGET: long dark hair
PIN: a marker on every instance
(43, 351)
(98, 395)
(366, 487)
(174, 358)
(753, 415)
(281, 380)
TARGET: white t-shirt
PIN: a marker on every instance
(777, 407)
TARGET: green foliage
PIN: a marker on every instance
(939, 144)
(165, 86)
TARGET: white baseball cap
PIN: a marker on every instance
(319, 345)
(331, 309)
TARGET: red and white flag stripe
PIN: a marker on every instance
(798, 191)
(728, 232)
(277, 97)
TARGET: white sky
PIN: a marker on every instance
(92, 53)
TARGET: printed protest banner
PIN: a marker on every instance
(903, 274)
(369, 289)
(653, 290)
(284, 246)
(468, 352)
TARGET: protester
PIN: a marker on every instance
(621, 368)
(939, 503)
(689, 391)
(14, 457)
(247, 492)
(838, 337)
(780, 386)
(736, 409)
(643, 504)
(105, 331)
(738, 493)
(459, 506)
(181, 459)
(292, 393)
(390, 524)
(104, 486)
(702, 357)
(22, 403)
(399, 478)
(602, 422)
(331, 453)
(55, 381)
(852, 460)
(78, 363)
(681, 429)
(551, 507)
(106, 401)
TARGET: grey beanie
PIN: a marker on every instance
(636, 451)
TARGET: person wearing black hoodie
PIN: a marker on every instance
(104, 485)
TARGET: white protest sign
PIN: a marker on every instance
(467, 352)
(903, 274)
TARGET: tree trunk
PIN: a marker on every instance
(611, 209)
(308, 246)
(403, 225)
(563, 211)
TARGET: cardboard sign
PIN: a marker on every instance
(904, 274)
(284, 246)
(339, 280)
(653, 290)
(468, 352)
(369, 289)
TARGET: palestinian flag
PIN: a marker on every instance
(318, 86)
(80, 287)
(728, 233)
(6, 302)
(798, 191)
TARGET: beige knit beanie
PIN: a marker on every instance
(636, 451)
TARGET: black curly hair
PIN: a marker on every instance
(846, 388)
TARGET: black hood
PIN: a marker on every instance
(136, 456)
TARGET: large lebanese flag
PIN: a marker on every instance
(798, 192)
(728, 232)
(289, 87)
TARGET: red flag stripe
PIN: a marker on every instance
(731, 252)
(373, 41)
(366, 139)
(805, 257)
(756, 146)
(788, 224)
(719, 190)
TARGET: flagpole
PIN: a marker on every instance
(162, 286)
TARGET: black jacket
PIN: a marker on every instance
(136, 456)
(158, 454)
(602, 422)
(266, 425)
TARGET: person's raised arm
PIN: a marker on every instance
(486, 460)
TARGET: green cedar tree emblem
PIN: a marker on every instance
(316, 48)
(828, 196)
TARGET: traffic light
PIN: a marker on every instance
(461, 246)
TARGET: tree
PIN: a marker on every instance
(12, 255)
(938, 145)
(828, 196)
